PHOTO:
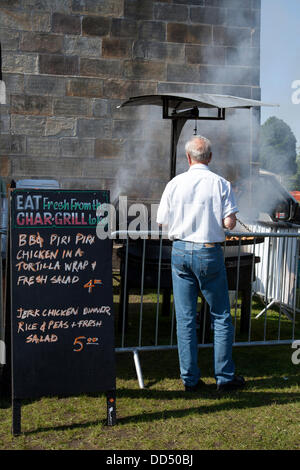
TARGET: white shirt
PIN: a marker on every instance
(194, 204)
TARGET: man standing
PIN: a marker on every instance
(196, 206)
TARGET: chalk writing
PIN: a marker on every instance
(62, 292)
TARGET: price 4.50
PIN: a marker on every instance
(81, 341)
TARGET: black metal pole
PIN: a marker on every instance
(173, 153)
(16, 417)
(177, 126)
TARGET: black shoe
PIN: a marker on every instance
(194, 388)
(235, 384)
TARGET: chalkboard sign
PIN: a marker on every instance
(61, 294)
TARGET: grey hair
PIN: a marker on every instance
(199, 152)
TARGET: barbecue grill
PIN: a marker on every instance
(179, 109)
(239, 267)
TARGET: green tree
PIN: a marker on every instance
(278, 147)
(293, 181)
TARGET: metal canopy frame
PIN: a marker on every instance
(181, 108)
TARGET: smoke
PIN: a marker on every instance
(235, 141)
(145, 163)
(144, 167)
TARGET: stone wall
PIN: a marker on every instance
(68, 64)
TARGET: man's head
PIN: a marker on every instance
(198, 150)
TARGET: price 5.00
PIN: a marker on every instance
(81, 341)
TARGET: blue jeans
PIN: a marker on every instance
(194, 267)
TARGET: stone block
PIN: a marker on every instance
(4, 123)
(28, 125)
(255, 37)
(85, 87)
(98, 167)
(12, 144)
(208, 15)
(235, 90)
(212, 55)
(5, 167)
(34, 105)
(100, 108)
(66, 24)
(256, 4)
(71, 106)
(109, 148)
(37, 167)
(42, 146)
(5, 144)
(9, 39)
(152, 30)
(129, 112)
(240, 17)
(224, 36)
(38, 42)
(143, 70)
(116, 48)
(60, 126)
(143, 49)
(18, 20)
(83, 46)
(191, 2)
(228, 3)
(183, 33)
(54, 64)
(256, 93)
(188, 74)
(138, 9)
(20, 63)
(95, 26)
(229, 75)
(128, 129)
(21, 20)
(168, 87)
(98, 128)
(47, 5)
(247, 56)
(10, 4)
(41, 22)
(42, 85)
(123, 28)
(112, 8)
(100, 68)
(14, 82)
(256, 14)
(154, 149)
(74, 147)
(171, 12)
(86, 183)
(18, 144)
(124, 88)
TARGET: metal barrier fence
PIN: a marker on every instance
(2, 343)
(263, 279)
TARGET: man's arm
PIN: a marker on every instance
(229, 222)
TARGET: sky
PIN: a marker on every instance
(280, 61)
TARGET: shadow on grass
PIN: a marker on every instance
(271, 379)
(242, 400)
(250, 397)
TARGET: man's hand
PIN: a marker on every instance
(229, 222)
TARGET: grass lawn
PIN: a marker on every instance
(265, 415)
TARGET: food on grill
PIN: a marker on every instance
(237, 238)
